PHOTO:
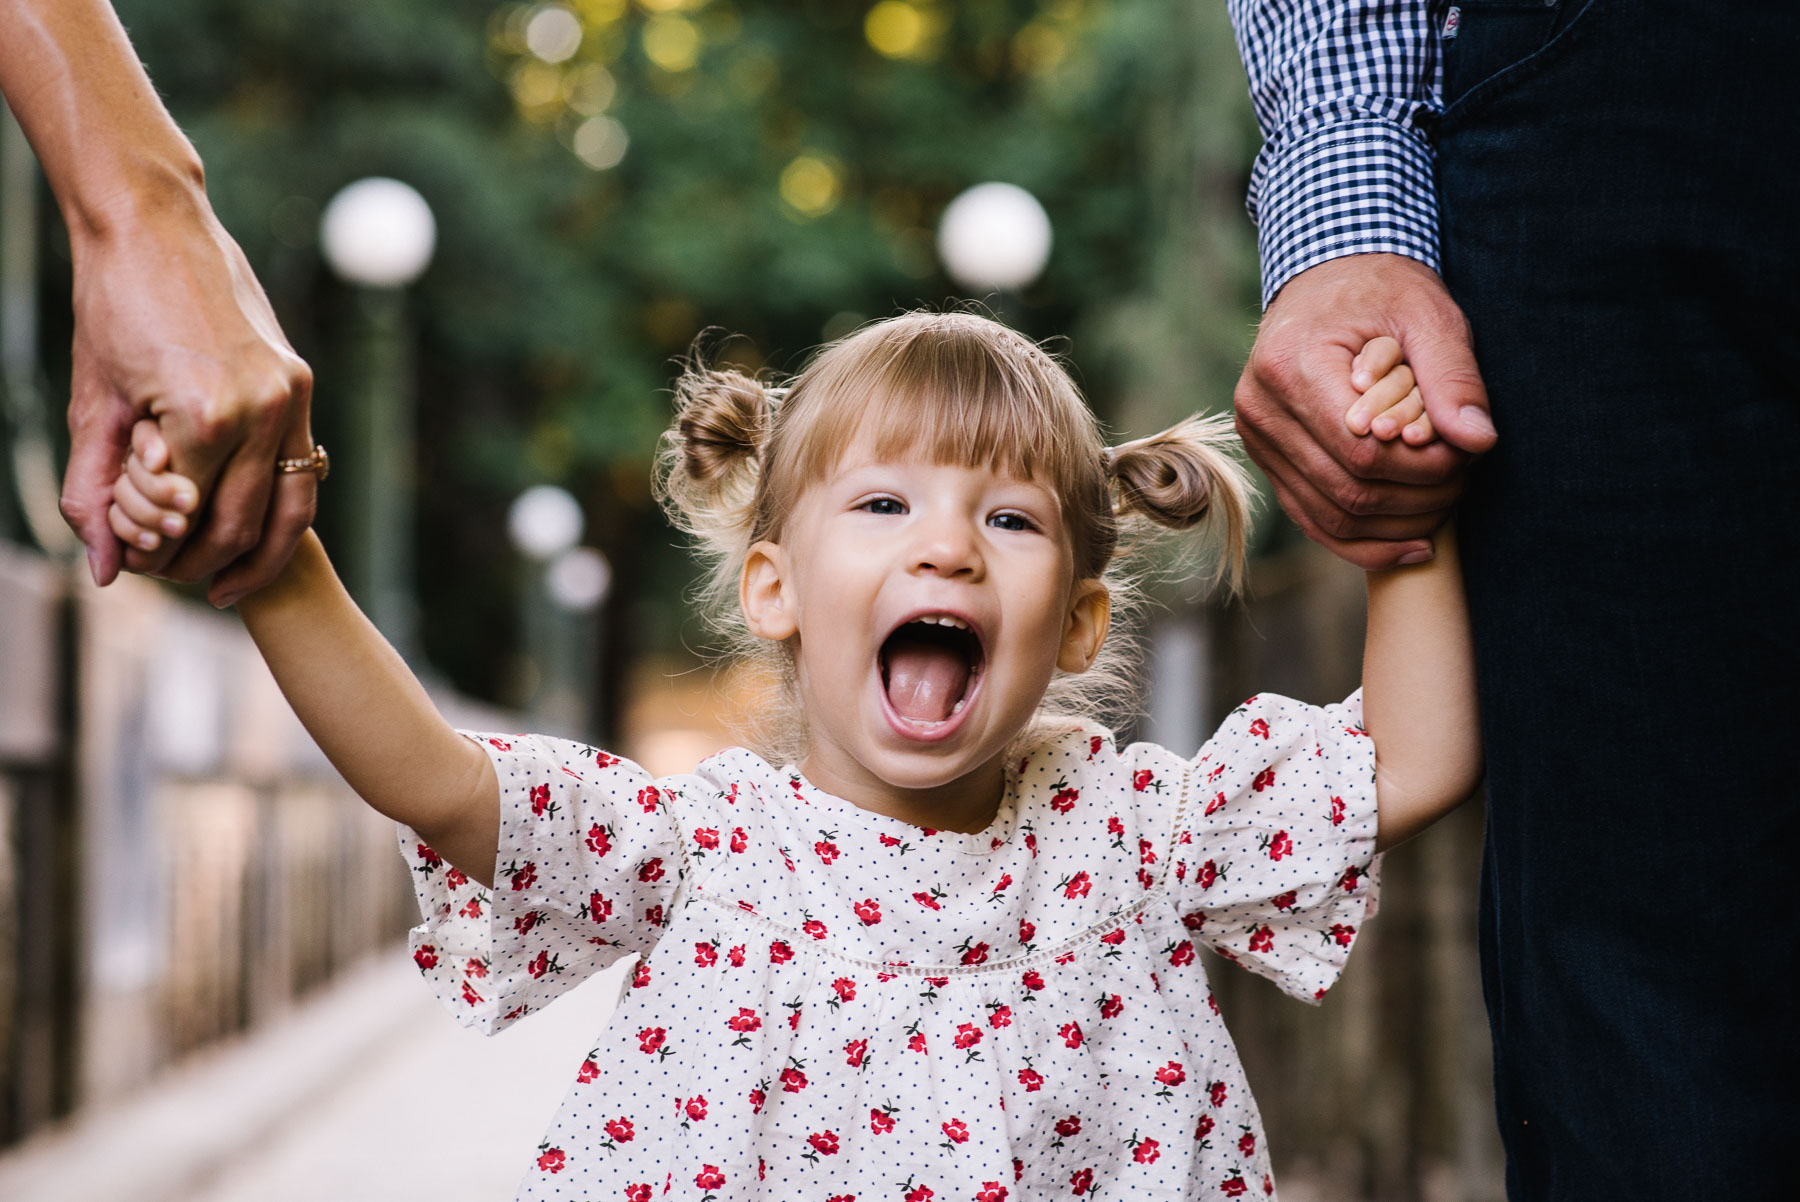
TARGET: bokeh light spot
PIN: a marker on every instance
(537, 89)
(601, 142)
(672, 43)
(553, 33)
(895, 28)
(811, 186)
(590, 89)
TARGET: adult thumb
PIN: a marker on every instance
(94, 459)
(1450, 384)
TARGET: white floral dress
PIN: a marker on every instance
(834, 1005)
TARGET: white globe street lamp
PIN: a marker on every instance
(994, 237)
(378, 233)
(544, 522)
(579, 580)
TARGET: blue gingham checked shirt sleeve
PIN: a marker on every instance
(1343, 91)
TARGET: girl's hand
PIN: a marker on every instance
(1390, 405)
(150, 502)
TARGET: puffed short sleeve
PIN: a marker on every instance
(1276, 864)
(588, 863)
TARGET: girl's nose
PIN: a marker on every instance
(947, 547)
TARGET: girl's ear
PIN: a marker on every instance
(767, 604)
(1090, 613)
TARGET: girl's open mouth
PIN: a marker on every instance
(930, 671)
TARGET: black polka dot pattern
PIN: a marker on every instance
(834, 1004)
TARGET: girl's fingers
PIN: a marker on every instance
(1419, 431)
(1386, 392)
(147, 444)
(129, 532)
(165, 490)
(1387, 425)
(1377, 358)
(141, 510)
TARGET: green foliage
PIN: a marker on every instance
(560, 292)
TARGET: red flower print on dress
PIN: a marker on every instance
(1180, 953)
(1169, 1076)
(1341, 934)
(638, 1193)
(869, 910)
(824, 1142)
(425, 956)
(709, 1177)
(1112, 1006)
(991, 1191)
(1209, 873)
(654, 915)
(456, 878)
(1350, 880)
(1027, 931)
(649, 797)
(707, 838)
(706, 954)
(739, 840)
(523, 876)
(815, 928)
(429, 858)
(1116, 829)
(999, 1015)
(603, 760)
(650, 870)
(1262, 939)
(502, 744)
(552, 1160)
(1337, 811)
(650, 1039)
(1146, 1152)
(1146, 851)
(1002, 883)
(1115, 937)
(1279, 845)
(1142, 779)
(743, 1022)
(1082, 1181)
(792, 1079)
(930, 900)
(620, 1130)
(1215, 805)
(590, 1071)
(540, 799)
(1071, 1034)
(1263, 780)
(1078, 885)
(1069, 1126)
(641, 977)
(967, 1036)
(917, 1042)
(973, 953)
(758, 1096)
(780, 952)
(696, 1108)
(1031, 844)
(1233, 1186)
(1259, 728)
(956, 1131)
(1215, 1093)
(1095, 742)
(1032, 980)
(826, 850)
(599, 908)
(1031, 1079)
(1193, 920)
(1204, 1127)
(1247, 1142)
(846, 989)
(543, 963)
(1064, 799)
(524, 922)
(736, 956)
(855, 1052)
(1285, 901)
(921, 1193)
(476, 967)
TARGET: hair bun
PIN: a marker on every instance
(723, 420)
(1184, 476)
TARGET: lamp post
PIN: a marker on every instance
(545, 525)
(578, 583)
(379, 234)
(994, 237)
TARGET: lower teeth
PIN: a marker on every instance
(956, 709)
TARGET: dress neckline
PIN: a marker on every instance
(983, 842)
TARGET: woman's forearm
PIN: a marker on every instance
(370, 715)
(1419, 702)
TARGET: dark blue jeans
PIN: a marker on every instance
(1620, 191)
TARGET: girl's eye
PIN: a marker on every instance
(1011, 521)
(885, 506)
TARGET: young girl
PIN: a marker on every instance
(940, 942)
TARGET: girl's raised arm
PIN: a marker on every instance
(371, 717)
(1419, 701)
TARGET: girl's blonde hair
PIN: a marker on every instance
(954, 388)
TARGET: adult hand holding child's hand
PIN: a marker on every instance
(1371, 500)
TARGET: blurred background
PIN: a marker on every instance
(493, 229)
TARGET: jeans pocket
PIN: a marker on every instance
(1486, 42)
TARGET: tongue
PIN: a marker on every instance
(924, 680)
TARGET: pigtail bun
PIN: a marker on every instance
(1183, 477)
(712, 454)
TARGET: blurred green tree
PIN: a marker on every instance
(612, 177)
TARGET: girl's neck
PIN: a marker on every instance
(967, 804)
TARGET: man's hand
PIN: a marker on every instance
(171, 324)
(1375, 503)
